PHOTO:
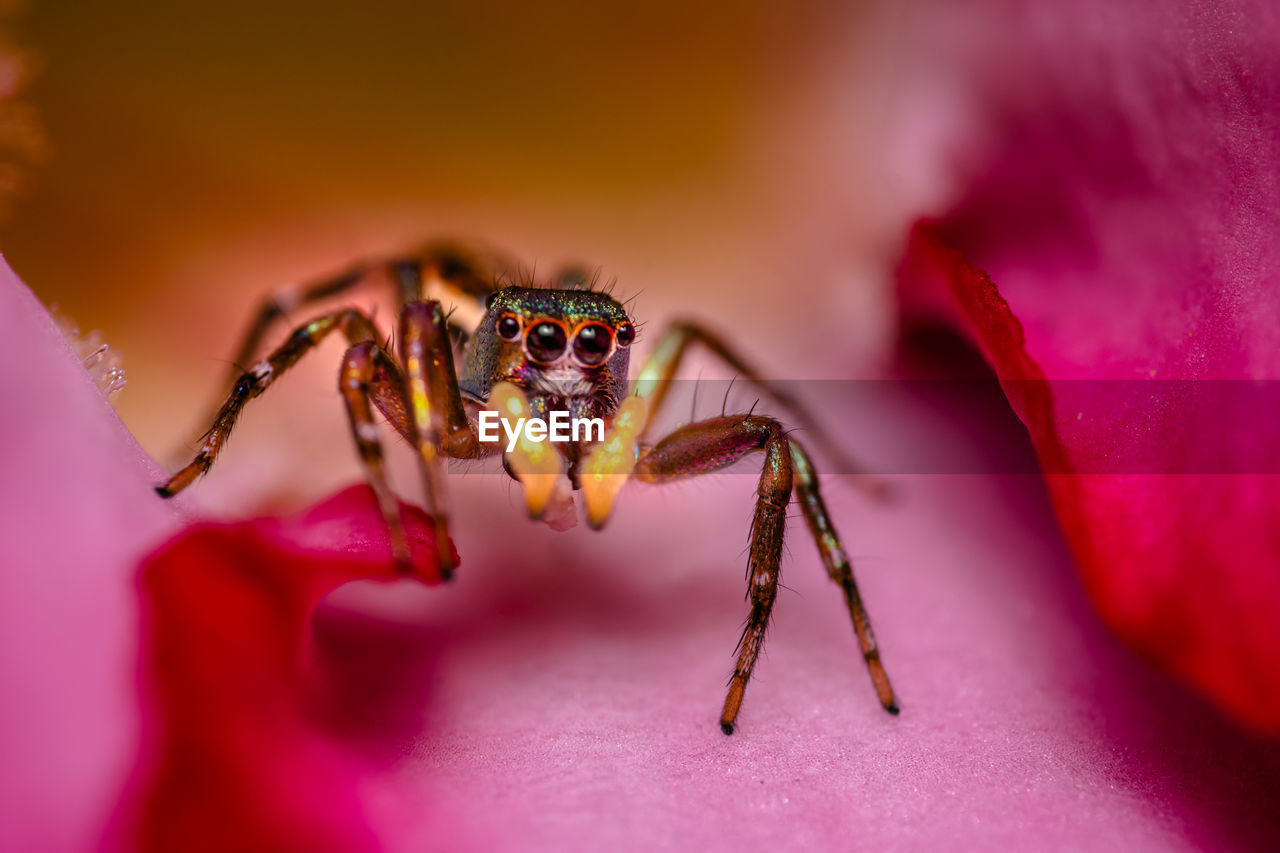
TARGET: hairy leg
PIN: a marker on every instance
(664, 362)
(438, 422)
(713, 444)
(462, 273)
(840, 569)
(451, 273)
(356, 379)
(277, 306)
(253, 382)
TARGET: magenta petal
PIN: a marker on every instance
(248, 719)
(574, 679)
(1124, 199)
(77, 511)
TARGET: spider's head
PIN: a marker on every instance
(568, 347)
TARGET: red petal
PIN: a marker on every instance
(1185, 567)
(1115, 171)
(245, 740)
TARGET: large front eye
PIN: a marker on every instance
(508, 327)
(546, 341)
(592, 344)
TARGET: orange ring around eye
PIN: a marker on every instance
(513, 332)
(548, 348)
(587, 340)
(626, 333)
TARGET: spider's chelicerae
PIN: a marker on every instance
(530, 351)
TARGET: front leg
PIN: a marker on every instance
(359, 382)
(709, 446)
(437, 420)
(352, 323)
(463, 276)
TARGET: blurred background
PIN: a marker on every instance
(725, 161)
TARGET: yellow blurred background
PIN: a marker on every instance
(718, 160)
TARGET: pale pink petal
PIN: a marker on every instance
(77, 512)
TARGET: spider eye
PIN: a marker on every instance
(508, 327)
(626, 334)
(592, 344)
(546, 341)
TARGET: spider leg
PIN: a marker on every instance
(250, 384)
(661, 366)
(839, 567)
(710, 445)
(387, 393)
(455, 274)
(464, 275)
(458, 271)
(356, 381)
(276, 306)
(438, 422)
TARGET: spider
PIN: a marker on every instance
(531, 350)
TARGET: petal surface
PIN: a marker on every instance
(253, 712)
(1114, 221)
(77, 512)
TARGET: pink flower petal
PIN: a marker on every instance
(563, 692)
(1124, 197)
(246, 743)
(576, 680)
(77, 512)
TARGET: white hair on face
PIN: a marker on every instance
(563, 382)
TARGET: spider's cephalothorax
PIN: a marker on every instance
(566, 350)
(532, 352)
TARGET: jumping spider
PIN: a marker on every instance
(529, 351)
